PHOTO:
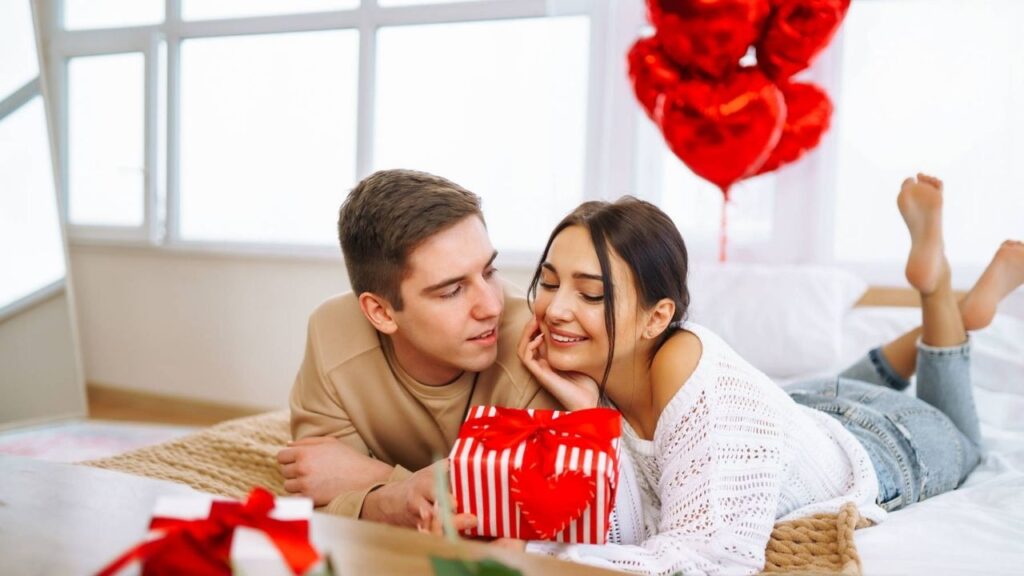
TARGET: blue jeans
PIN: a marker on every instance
(920, 447)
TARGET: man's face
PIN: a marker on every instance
(452, 305)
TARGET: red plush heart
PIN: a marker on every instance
(549, 504)
(709, 35)
(724, 131)
(808, 116)
(651, 73)
(796, 32)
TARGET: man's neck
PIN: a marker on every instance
(420, 367)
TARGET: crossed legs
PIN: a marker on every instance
(943, 319)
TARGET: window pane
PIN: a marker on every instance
(106, 140)
(952, 108)
(696, 207)
(268, 134)
(18, 62)
(79, 14)
(209, 9)
(31, 249)
(498, 107)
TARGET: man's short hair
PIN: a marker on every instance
(387, 215)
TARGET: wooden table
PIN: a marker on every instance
(70, 519)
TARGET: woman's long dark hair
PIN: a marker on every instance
(650, 244)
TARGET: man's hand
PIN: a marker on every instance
(322, 468)
(509, 544)
(431, 521)
(404, 503)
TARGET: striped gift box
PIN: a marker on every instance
(537, 474)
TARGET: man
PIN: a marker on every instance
(391, 368)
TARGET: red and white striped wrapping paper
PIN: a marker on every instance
(480, 482)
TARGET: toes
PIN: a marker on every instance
(930, 180)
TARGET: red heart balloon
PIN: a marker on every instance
(709, 35)
(808, 117)
(651, 72)
(724, 131)
(796, 32)
(549, 504)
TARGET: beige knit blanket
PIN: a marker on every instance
(231, 458)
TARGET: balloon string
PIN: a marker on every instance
(723, 234)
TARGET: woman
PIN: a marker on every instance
(720, 452)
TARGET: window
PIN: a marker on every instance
(83, 14)
(31, 245)
(695, 205)
(210, 9)
(106, 117)
(31, 242)
(275, 109)
(912, 99)
(268, 136)
(18, 63)
(508, 121)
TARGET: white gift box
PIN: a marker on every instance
(252, 552)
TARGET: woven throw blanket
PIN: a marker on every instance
(229, 459)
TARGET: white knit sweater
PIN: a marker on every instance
(732, 454)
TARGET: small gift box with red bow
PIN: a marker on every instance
(199, 535)
(537, 474)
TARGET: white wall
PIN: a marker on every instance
(39, 374)
(227, 329)
(219, 328)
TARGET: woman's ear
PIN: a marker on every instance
(659, 317)
(379, 312)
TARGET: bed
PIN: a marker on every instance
(793, 323)
(799, 322)
(979, 528)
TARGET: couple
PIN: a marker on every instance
(716, 452)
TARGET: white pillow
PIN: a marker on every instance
(785, 320)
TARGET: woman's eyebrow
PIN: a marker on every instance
(576, 275)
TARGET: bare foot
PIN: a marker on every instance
(1004, 274)
(920, 203)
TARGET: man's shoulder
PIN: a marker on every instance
(341, 331)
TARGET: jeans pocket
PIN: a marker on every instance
(936, 446)
(892, 504)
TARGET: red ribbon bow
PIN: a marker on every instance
(593, 429)
(203, 546)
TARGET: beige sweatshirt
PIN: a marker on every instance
(351, 387)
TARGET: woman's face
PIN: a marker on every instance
(570, 305)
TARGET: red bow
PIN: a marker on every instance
(593, 429)
(203, 546)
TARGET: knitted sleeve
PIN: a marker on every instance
(718, 465)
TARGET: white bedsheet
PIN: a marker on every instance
(979, 528)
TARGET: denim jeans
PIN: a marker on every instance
(920, 447)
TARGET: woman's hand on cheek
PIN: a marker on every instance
(573, 390)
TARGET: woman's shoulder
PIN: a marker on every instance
(674, 364)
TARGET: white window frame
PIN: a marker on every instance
(160, 229)
(621, 156)
(38, 86)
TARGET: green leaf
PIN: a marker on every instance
(487, 567)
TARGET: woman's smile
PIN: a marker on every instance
(562, 338)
